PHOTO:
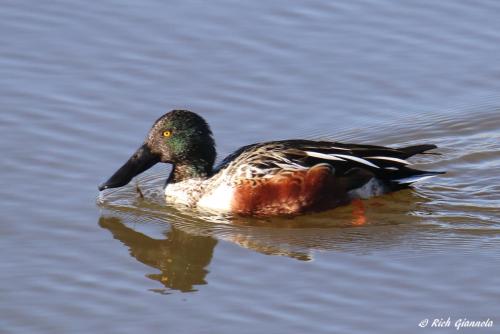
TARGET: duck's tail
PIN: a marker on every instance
(407, 176)
(410, 151)
(413, 176)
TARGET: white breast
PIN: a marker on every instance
(218, 199)
(185, 192)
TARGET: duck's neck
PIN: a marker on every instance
(197, 169)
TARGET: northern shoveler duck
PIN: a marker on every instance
(271, 178)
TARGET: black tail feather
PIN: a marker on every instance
(416, 149)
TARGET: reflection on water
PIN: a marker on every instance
(181, 258)
(190, 237)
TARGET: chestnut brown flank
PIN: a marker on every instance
(288, 192)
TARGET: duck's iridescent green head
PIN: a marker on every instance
(179, 137)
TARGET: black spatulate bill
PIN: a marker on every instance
(140, 161)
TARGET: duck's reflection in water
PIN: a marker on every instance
(181, 258)
(184, 255)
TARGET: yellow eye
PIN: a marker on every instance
(167, 133)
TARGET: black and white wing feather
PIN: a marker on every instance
(267, 159)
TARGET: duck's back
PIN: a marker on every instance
(295, 176)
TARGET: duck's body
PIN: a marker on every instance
(296, 176)
(273, 178)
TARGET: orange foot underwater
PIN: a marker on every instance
(358, 213)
